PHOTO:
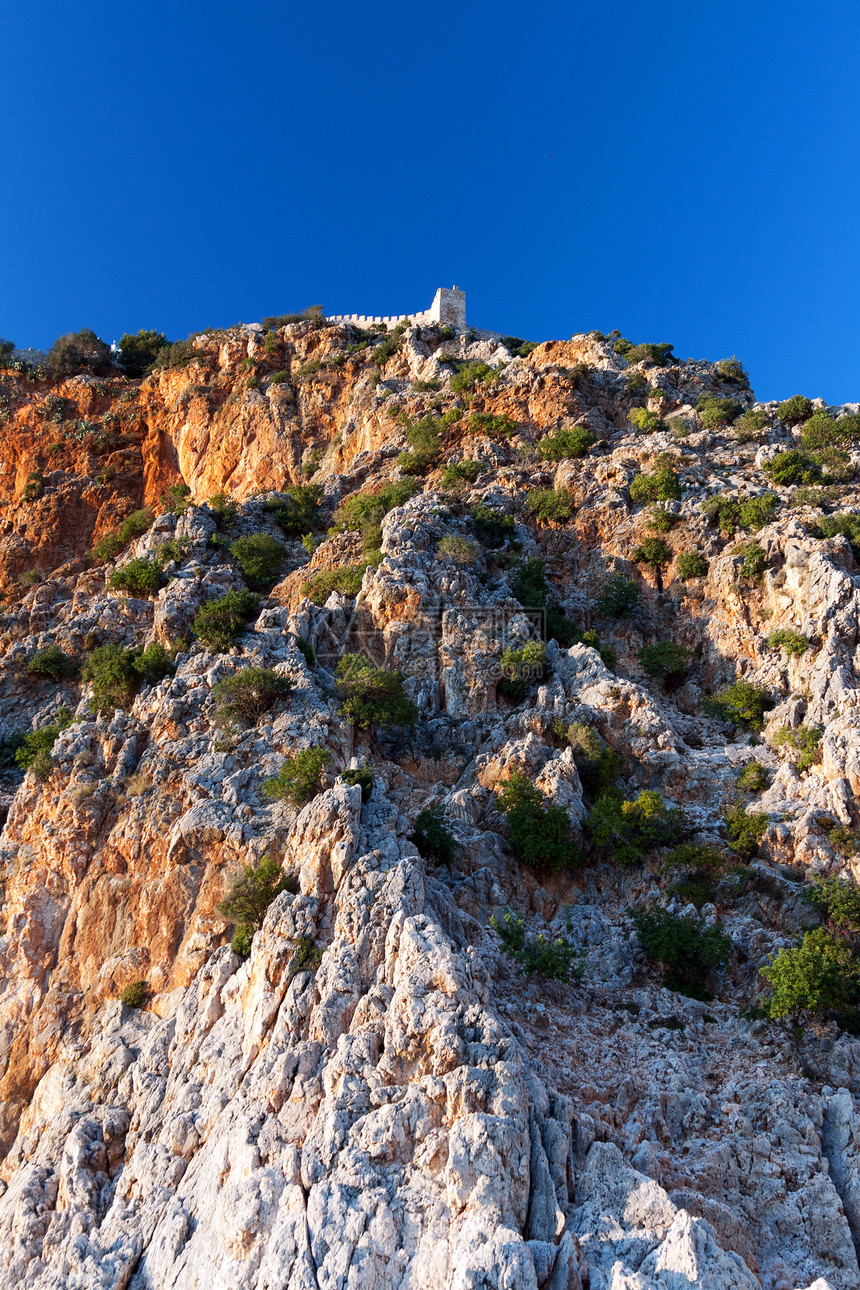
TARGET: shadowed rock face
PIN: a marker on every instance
(379, 1095)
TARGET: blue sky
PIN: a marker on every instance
(689, 174)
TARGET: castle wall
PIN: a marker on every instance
(448, 308)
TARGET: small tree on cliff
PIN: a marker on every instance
(250, 896)
(139, 350)
(79, 351)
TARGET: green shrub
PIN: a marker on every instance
(34, 751)
(249, 897)
(361, 775)
(754, 560)
(178, 354)
(745, 830)
(741, 702)
(223, 508)
(752, 425)
(529, 584)
(630, 829)
(219, 622)
(140, 577)
(388, 346)
(801, 745)
(699, 868)
(725, 510)
(835, 465)
(176, 498)
(79, 351)
(426, 386)
(346, 579)
(715, 412)
(791, 467)
(297, 510)
(691, 565)
(117, 674)
(653, 551)
(459, 550)
(838, 899)
(308, 369)
(548, 956)
(843, 841)
(732, 371)
(495, 427)
(598, 766)
(645, 421)
(687, 948)
(818, 976)
(372, 696)
(794, 643)
(425, 443)
(756, 512)
(134, 995)
(795, 410)
(52, 663)
(492, 526)
(35, 486)
(532, 590)
(539, 833)
(821, 431)
(661, 520)
(659, 355)
(662, 486)
(753, 778)
(551, 505)
(468, 375)
(307, 956)
(566, 443)
(300, 778)
(608, 653)
(846, 524)
(460, 473)
(432, 837)
(522, 667)
(313, 314)
(617, 596)
(364, 512)
(174, 549)
(664, 660)
(519, 348)
(306, 650)
(110, 545)
(260, 557)
(139, 350)
(247, 695)
(814, 496)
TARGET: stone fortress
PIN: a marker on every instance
(449, 306)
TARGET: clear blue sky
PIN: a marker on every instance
(684, 173)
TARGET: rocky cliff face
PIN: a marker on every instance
(405, 1106)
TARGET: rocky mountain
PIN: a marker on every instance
(431, 774)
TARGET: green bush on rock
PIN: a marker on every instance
(372, 696)
(539, 833)
(300, 778)
(219, 622)
(249, 897)
(688, 948)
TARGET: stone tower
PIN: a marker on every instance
(449, 306)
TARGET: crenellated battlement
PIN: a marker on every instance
(448, 308)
